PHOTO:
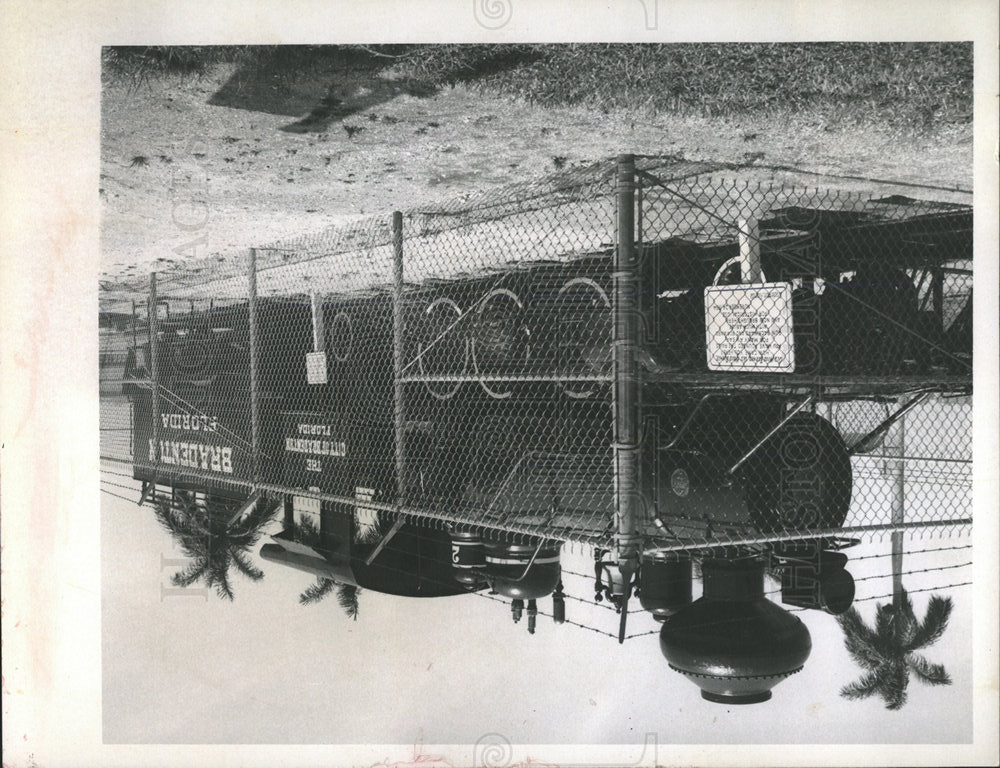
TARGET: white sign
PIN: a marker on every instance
(316, 367)
(749, 328)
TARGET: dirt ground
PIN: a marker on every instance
(197, 166)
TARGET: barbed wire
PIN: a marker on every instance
(856, 600)
(915, 591)
(549, 615)
(117, 496)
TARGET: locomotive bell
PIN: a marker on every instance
(468, 557)
(733, 642)
(821, 583)
(508, 572)
(664, 584)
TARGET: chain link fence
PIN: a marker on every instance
(643, 358)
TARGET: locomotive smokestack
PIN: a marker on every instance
(733, 642)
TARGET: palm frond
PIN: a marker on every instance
(244, 566)
(347, 596)
(866, 686)
(262, 513)
(222, 586)
(368, 524)
(205, 538)
(191, 574)
(932, 674)
(904, 619)
(169, 519)
(934, 624)
(317, 591)
(885, 620)
(306, 532)
(894, 692)
(860, 640)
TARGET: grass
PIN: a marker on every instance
(901, 85)
(914, 86)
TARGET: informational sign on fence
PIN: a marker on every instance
(316, 367)
(749, 328)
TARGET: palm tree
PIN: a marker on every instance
(368, 525)
(888, 651)
(213, 541)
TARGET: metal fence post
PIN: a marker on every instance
(316, 308)
(398, 410)
(154, 363)
(898, 508)
(626, 390)
(749, 240)
(254, 364)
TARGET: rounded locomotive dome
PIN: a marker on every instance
(467, 557)
(734, 643)
(508, 572)
(664, 584)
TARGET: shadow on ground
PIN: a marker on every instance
(318, 91)
(320, 85)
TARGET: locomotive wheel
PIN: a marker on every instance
(444, 356)
(800, 479)
(341, 337)
(500, 339)
(585, 332)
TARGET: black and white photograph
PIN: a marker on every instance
(510, 399)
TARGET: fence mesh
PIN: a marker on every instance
(650, 357)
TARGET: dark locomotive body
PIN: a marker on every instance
(507, 423)
(508, 398)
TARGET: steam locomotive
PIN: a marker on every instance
(507, 391)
